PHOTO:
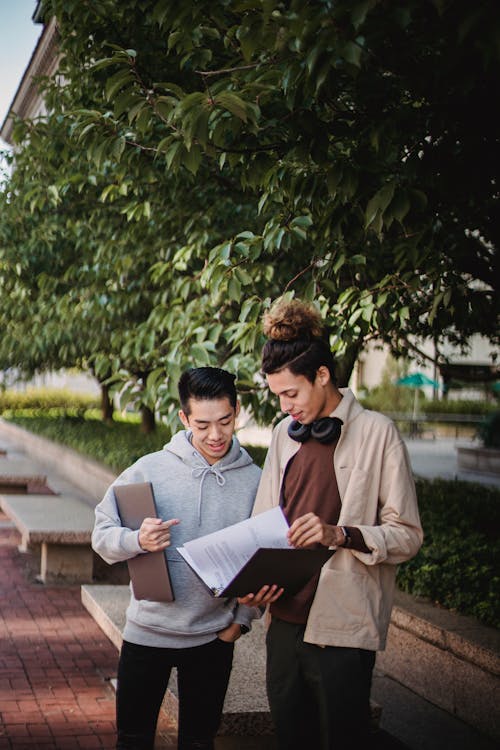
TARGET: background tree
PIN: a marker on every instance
(341, 151)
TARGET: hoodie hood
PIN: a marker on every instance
(181, 446)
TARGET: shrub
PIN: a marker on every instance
(489, 431)
(457, 407)
(459, 563)
(39, 401)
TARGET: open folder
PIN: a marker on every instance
(290, 569)
(148, 571)
(241, 558)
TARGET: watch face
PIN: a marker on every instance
(244, 629)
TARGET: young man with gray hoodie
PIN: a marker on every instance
(203, 480)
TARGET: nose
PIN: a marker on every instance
(214, 432)
(286, 404)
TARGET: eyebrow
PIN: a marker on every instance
(207, 421)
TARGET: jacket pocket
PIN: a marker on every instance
(345, 602)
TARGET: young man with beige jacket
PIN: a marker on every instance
(343, 477)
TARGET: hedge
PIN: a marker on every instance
(458, 565)
(41, 400)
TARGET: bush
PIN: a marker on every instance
(489, 431)
(38, 401)
(458, 566)
(457, 407)
(395, 398)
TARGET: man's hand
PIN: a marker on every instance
(310, 529)
(230, 634)
(266, 595)
(154, 534)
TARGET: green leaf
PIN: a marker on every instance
(199, 355)
(192, 159)
(233, 103)
(117, 82)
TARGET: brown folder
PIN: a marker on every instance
(287, 568)
(148, 571)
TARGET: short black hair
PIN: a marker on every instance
(206, 383)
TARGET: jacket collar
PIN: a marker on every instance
(349, 408)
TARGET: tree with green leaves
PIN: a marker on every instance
(357, 123)
(341, 151)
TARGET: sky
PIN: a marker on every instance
(18, 38)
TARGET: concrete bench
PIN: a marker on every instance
(22, 476)
(61, 525)
(246, 709)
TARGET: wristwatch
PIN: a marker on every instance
(244, 629)
(347, 536)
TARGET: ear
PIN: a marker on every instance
(237, 409)
(323, 375)
(184, 418)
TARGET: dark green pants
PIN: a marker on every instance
(319, 697)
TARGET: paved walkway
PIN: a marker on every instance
(55, 663)
(438, 458)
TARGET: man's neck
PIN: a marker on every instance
(333, 399)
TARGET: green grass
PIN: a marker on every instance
(116, 445)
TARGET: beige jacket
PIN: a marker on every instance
(355, 592)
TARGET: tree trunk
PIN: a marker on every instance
(107, 407)
(344, 365)
(148, 424)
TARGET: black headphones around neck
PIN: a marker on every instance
(324, 430)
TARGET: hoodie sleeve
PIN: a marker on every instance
(112, 541)
(244, 615)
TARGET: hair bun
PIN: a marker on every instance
(288, 320)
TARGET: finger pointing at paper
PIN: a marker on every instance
(154, 534)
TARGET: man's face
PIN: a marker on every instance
(212, 423)
(305, 401)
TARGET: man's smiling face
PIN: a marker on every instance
(212, 422)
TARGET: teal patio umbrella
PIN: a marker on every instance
(416, 380)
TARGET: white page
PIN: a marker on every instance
(218, 557)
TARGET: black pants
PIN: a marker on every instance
(143, 674)
(319, 697)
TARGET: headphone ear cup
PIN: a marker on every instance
(326, 429)
(299, 432)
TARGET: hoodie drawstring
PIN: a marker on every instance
(201, 472)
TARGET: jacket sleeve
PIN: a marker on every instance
(263, 498)
(112, 541)
(398, 535)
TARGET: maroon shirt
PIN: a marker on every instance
(310, 486)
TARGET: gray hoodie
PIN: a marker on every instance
(205, 498)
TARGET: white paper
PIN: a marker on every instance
(218, 557)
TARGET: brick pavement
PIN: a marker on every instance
(55, 664)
